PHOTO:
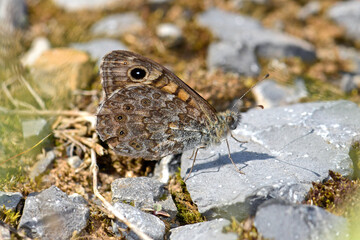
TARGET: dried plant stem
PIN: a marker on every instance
(69, 113)
(107, 205)
(33, 93)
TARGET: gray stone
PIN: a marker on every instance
(42, 165)
(98, 48)
(350, 82)
(147, 223)
(279, 221)
(74, 161)
(33, 127)
(310, 9)
(10, 200)
(118, 24)
(230, 57)
(166, 167)
(143, 192)
(13, 14)
(51, 214)
(271, 94)
(239, 30)
(297, 144)
(211, 230)
(38, 46)
(170, 34)
(77, 5)
(4, 233)
(347, 15)
(351, 55)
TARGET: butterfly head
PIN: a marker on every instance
(231, 119)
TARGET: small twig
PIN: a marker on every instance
(14, 101)
(72, 139)
(46, 112)
(33, 93)
(94, 168)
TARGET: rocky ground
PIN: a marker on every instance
(299, 155)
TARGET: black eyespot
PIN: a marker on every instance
(128, 107)
(145, 102)
(138, 73)
(123, 133)
(119, 118)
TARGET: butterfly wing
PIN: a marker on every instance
(149, 112)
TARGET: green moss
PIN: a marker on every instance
(354, 154)
(187, 210)
(9, 216)
(244, 229)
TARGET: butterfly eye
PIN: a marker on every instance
(138, 73)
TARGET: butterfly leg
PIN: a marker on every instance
(228, 147)
(236, 139)
(192, 166)
(192, 154)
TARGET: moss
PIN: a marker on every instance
(187, 210)
(9, 216)
(354, 154)
(244, 229)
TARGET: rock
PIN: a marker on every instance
(60, 71)
(296, 144)
(310, 9)
(51, 214)
(42, 165)
(230, 57)
(74, 161)
(346, 14)
(99, 47)
(4, 233)
(33, 127)
(143, 192)
(13, 14)
(211, 230)
(271, 94)
(166, 167)
(147, 223)
(350, 82)
(77, 5)
(239, 30)
(170, 34)
(10, 200)
(351, 55)
(280, 221)
(38, 46)
(118, 24)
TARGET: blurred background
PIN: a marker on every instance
(50, 52)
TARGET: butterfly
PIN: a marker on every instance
(148, 112)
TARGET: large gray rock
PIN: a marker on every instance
(98, 48)
(237, 30)
(52, 214)
(118, 24)
(211, 230)
(143, 192)
(286, 146)
(147, 223)
(230, 57)
(347, 15)
(280, 221)
(10, 200)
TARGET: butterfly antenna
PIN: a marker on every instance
(265, 77)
